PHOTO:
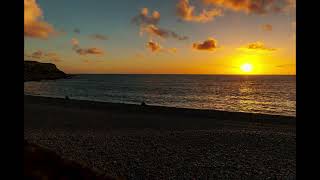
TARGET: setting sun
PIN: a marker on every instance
(246, 68)
(222, 72)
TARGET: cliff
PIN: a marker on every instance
(36, 71)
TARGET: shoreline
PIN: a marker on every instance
(162, 106)
(195, 111)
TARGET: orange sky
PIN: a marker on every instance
(174, 37)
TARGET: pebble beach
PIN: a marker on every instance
(134, 142)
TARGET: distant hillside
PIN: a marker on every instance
(36, 71)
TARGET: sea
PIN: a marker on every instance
(266, 94)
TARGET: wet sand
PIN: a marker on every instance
(149, 142)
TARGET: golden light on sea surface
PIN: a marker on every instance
(246, 68)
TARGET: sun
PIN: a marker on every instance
(246, 68)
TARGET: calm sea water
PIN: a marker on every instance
(257, 94)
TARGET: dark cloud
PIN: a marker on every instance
(41, 55)
(85, 51)
(267, 27)
(98, 37)
(209, 45)
(186, 12)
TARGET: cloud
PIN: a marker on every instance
(257, 46)
(94, 51)
(156, 47)
(41, 55)
(144, 18)
(91, 61)
(76, 30)
(163, 33)
(148, 24)
(34, 25)
(209, 45)
(98, 37)
(186, 12)
(74, 42)
(85, 51)
(153, 46)
(254, 6)
(267, 27)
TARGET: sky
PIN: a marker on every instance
(162, 37)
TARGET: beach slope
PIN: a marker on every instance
(150, 142)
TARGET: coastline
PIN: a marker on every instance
(238, 94)
(151, 141)
(208, 113)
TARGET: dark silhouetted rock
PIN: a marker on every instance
(36, 71)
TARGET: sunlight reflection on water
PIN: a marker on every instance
(258, 94)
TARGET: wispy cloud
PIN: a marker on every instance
(34, 25)
(91, 61)
(144, 18)
(41, 55)
(186, 12)
(148, 24)
(85, 51)
(257, 46)
(163, 33)
(156, 47)
(98, 37)
(254, 6)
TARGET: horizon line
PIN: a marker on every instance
(181, 74)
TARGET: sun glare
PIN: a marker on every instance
(246, 68)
